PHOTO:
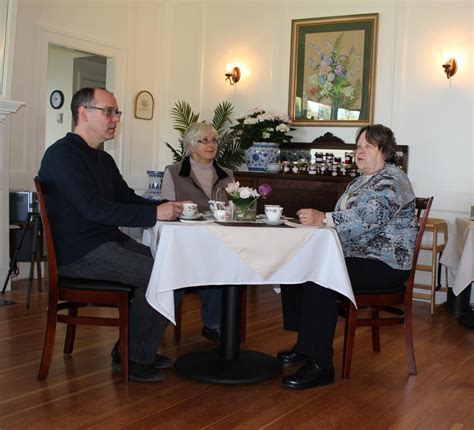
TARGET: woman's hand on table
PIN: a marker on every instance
(311, 217)
(169, 211)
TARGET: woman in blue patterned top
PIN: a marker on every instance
(376, 223)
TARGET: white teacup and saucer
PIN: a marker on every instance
(273, 214)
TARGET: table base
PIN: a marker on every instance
(208, 366)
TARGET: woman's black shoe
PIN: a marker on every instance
(291, 356)
(308, 376)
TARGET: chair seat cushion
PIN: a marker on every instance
(91, 284)
(377, 291)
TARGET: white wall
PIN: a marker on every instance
(178, 49)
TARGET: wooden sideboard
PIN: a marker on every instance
(294, 192)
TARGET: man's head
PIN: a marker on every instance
(95, 115)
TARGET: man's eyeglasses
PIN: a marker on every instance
(207, 141)
(109, 112)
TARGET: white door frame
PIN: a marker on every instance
(47, 35)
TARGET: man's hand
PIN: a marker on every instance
(169, 211)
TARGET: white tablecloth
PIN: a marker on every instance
(193, 255)
(458, 256)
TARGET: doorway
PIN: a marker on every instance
(68, 71)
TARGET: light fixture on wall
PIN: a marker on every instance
(450, 67)
(232, 74)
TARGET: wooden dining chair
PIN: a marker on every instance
(243, 317)
(74, 293)
(397, 303)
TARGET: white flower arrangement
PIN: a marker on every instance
(260, 126)
(235, 191)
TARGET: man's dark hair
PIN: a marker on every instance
(83, 97)
(383, 138)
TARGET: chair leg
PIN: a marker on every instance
(243, 314)
(39, 254)
(349, 335)
(408, 328)
(123, 334)
(375, 331)
(48, 342)
(434, 271)
(178, 314)
(70, 333)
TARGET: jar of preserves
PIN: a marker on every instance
(286, 168)
(348, 158)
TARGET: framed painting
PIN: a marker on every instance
(332, 70)
(144, 104)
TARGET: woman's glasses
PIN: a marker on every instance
(206, 141)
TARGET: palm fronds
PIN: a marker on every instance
(222, 114)
(183, 116)
(178, 154)
(230, 154)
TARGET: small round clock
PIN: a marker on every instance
(56, 99)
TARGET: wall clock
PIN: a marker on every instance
(56, 99)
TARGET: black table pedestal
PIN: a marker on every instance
(208, 366)
(229, 364)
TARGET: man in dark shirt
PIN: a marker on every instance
(87, 201)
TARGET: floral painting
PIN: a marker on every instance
(333, 70)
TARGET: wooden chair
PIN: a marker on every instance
(73, 293)
(243, 317)
(380, 301)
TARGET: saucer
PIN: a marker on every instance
(190, 217)
(277, 222)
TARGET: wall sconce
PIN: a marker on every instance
(450, 67)
(232, 74)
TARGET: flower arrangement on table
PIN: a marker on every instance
(259, 126)
(245, 199)
(333, 82)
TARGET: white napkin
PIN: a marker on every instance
(247, 242)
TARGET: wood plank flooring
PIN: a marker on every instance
(82, 392)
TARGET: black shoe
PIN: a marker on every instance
(308, 376)
(213, 334)
(161, 362)
(291, 356)
(144, 372)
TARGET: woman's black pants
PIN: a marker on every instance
(311, 310)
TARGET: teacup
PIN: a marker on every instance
(220, 214)
(216, 205)
(189, 209)
(273, 212)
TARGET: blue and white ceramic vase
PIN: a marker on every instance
(260, 154)
(155, 177)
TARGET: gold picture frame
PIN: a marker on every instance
(332, 70)
(144, 105)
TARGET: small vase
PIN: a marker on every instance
(155, 177)
(245, 211)
(260, 154)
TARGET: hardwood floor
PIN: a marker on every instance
(82, 392)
